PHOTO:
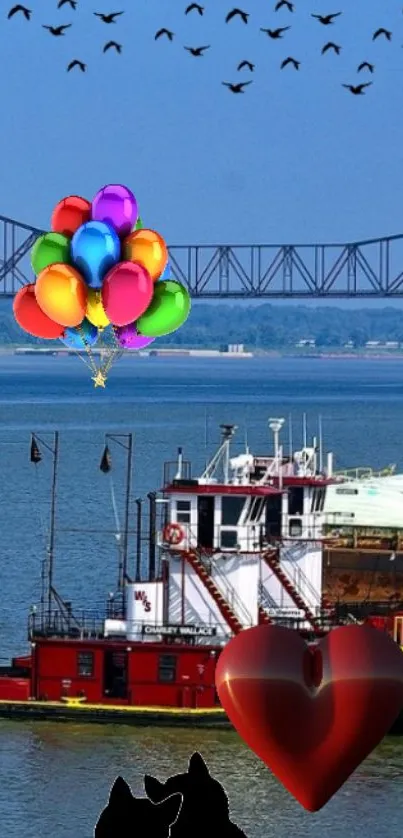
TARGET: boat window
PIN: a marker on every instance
(256, 509)
(345, 490)
(296, 500)
(318, 500)
(167, 668)
(295, 527)
(229, 539)
(231, 509)
(85, 664)
(183, 511)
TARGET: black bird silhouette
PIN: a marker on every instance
(197, 51)
(72, 3)
(236, 88)
(26, 12)
(194, 7)
(275, 33)
(388, 35)
(237, 13)
(292, 61)
(365, 65)
(123, 808)
(282, 3)
(110, 44)
(77, 63)
(247, 64)
(108, 18)
(57, 30)
(326, 19)
(357, 89)
(162, 32)
(331, 45)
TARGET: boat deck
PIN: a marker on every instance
(102, 713)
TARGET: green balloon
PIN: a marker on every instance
(139, 224)
(49, 249)
(169, 308)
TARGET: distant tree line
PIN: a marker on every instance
(259, 327)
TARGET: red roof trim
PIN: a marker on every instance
(294, 480)
(222, 489)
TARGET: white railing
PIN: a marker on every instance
(366, 472)
(228, 591)
(303, 584)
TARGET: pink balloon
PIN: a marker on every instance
(127, 292)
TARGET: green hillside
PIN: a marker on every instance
(259, 327)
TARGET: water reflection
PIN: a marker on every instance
(55, 778)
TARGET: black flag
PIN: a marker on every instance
(36, 455)
(106, 464)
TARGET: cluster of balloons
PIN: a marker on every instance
(100, 269)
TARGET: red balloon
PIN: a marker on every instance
(69, 214)
(312, 714)
(127, 292)
(31, 318)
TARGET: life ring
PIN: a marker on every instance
(173, 534)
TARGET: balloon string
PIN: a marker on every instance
(92, 365)
(77, 352)
(113, 353)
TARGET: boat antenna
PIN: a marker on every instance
(205, 436)
(227, 432)
(246, 439)
(48, 590)
(290, 434)
(275, 426)
(304, 440)
(126, 442)
(320, 445)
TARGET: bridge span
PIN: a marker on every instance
(366, 269)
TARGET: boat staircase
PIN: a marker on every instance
(224, 595)
(271, 557)
(264, 617)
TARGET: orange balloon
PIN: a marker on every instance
(61, 293)
(147, 248)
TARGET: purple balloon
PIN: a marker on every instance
(115, 205)
(129, 338)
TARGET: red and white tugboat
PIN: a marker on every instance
(240, 545)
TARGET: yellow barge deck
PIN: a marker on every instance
(67, 711)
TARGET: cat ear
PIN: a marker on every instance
(170, 808)
(119, 792)
(154, 789)
(197, 766)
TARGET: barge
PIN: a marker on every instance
(246, 542)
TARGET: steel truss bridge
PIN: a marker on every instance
(366, 269)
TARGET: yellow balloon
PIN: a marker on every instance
(95, 312)
(147, 248)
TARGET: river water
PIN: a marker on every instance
(55, 778)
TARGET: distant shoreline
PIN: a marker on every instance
(208, 353)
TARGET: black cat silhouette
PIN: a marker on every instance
(204, 811)
(126, 815)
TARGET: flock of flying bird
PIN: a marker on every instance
(58, 31)
(198, 52)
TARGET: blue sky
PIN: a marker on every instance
(297, 158)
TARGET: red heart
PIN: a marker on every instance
(312, 714)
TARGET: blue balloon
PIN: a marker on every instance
(95, 249)
(80, 336)
(167, 273)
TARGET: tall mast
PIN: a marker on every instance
(48, 566)
(52, 523)
(127, 508)
(320, 446)
(126, 442)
